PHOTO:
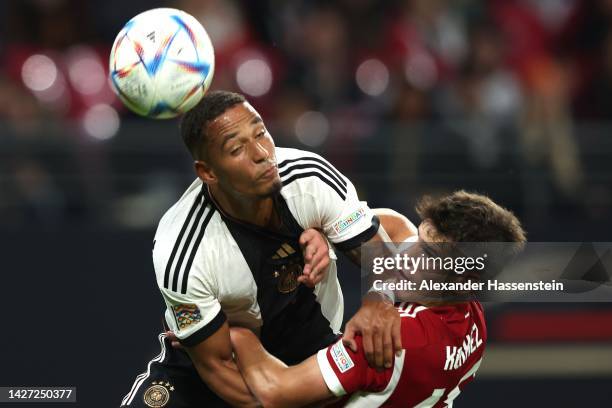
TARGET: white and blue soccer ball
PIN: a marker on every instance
(162, 63)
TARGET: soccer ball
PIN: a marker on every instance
(162, 62)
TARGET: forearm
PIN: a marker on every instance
(355, 254)
(398, 227)
(394, 227)
(224, 378)
(259, 369)
(382, 236)
(274, 384)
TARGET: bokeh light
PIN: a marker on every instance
(312, 128)
(85, 71)
(421, 71)
(254, 77)
(101, 122)
(39, 72)
(372, 77)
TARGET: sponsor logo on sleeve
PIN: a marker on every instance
(341, 357)
(351, 219)
(186, 315)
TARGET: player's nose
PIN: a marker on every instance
(260, 153)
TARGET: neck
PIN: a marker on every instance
(257, 211)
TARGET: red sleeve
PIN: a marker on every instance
(346, 372)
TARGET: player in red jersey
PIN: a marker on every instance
(443, 343)
(443, 348)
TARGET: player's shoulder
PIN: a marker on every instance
(182, 205)
(192, 206)
(304, 172)
(477, 307)
(415, 322)
(424, 326)
(189, 225)
(478, 317)
(284, 154)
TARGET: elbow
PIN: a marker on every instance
(206, 367)
(268, 393)
(208, 374)
(270, 398)
(246, 404)
(397, 226)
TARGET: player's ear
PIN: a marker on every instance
(205, 172)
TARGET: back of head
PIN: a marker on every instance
(194, 122)
(470, 217)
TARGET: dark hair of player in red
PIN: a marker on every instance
(470, 217)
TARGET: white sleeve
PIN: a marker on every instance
(195, 315)
(330, 377)
(323, 198)
(345, 220)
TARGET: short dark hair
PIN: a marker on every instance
(195, 120)
(471, 217)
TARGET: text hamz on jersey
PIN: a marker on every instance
(457, 356)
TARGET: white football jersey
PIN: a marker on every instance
(211, 268)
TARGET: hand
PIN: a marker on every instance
(379, 324)
(173, 340)
(316, 257)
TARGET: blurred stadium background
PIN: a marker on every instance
(509, 98)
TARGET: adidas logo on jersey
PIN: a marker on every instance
(457, 356)
(284, 251)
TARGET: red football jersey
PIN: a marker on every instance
(443, 348)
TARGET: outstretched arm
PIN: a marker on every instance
(213, 360)
(398, 227)
(394, 227)
(378, 320)
(271, 381)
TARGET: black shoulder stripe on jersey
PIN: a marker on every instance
(333, 178)
(197, 201)
(206, 331)
(194, 227)
(365, 236)
(196, 245)
(315, 174)
(315, 159)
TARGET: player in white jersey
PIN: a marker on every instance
(229, 253)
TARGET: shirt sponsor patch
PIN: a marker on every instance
(346, 222)
(341, 357)
(186, 315)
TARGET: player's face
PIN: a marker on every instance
(241, 153)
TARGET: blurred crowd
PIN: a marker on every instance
(508, 97)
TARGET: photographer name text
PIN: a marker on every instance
(469, 285)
